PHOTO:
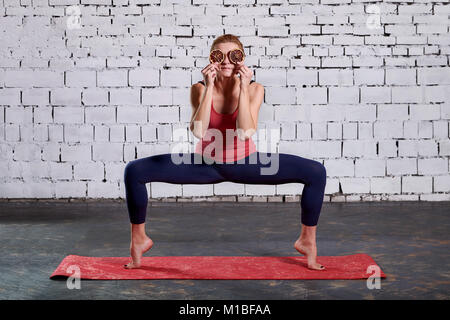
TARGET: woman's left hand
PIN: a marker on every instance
(245, 72)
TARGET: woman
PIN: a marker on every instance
(225, 86)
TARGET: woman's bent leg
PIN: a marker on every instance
(287, 168)
(161, 168)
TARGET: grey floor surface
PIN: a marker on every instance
(408, 240)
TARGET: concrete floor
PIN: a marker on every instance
(408, 240)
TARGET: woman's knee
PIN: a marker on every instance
(319, 171)
(131, 171)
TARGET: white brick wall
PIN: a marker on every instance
(371, 103)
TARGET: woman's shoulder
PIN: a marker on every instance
(256, 84)
(198, 87)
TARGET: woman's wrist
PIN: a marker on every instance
(244, 86)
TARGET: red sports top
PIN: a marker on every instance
(229, 149)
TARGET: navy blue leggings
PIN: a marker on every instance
(289, 169)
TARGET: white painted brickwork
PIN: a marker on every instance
(360, 86)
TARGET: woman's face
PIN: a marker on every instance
(226, 68)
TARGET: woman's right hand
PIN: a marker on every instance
(210, 73)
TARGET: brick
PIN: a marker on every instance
(297, 76)
(112, 78)
(369, 167)
(385, 185)
(27, 152)
(144, 77)
(368, 76)
(355, 185)
(375, 94)
(107, 152)
(102, 189)
(163, 189)
(340, 167)
(400, 76)
(344, 95)
(312, 95)
(433, 75)
(416, 184)
(137, 114)
(432, 166)
(9, 96)
(97, 115)
(94, 96)
(335, 77)
(72, 189)
(61, 171)
(68, 115)
(441, 183)
(80, 78)
(125, 96)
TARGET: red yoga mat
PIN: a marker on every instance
(356, 266)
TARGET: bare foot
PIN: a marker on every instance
(310, 251)
(137, 249)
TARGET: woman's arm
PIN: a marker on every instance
(250, 100)
(201, 99)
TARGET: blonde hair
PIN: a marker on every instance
(228, 38)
